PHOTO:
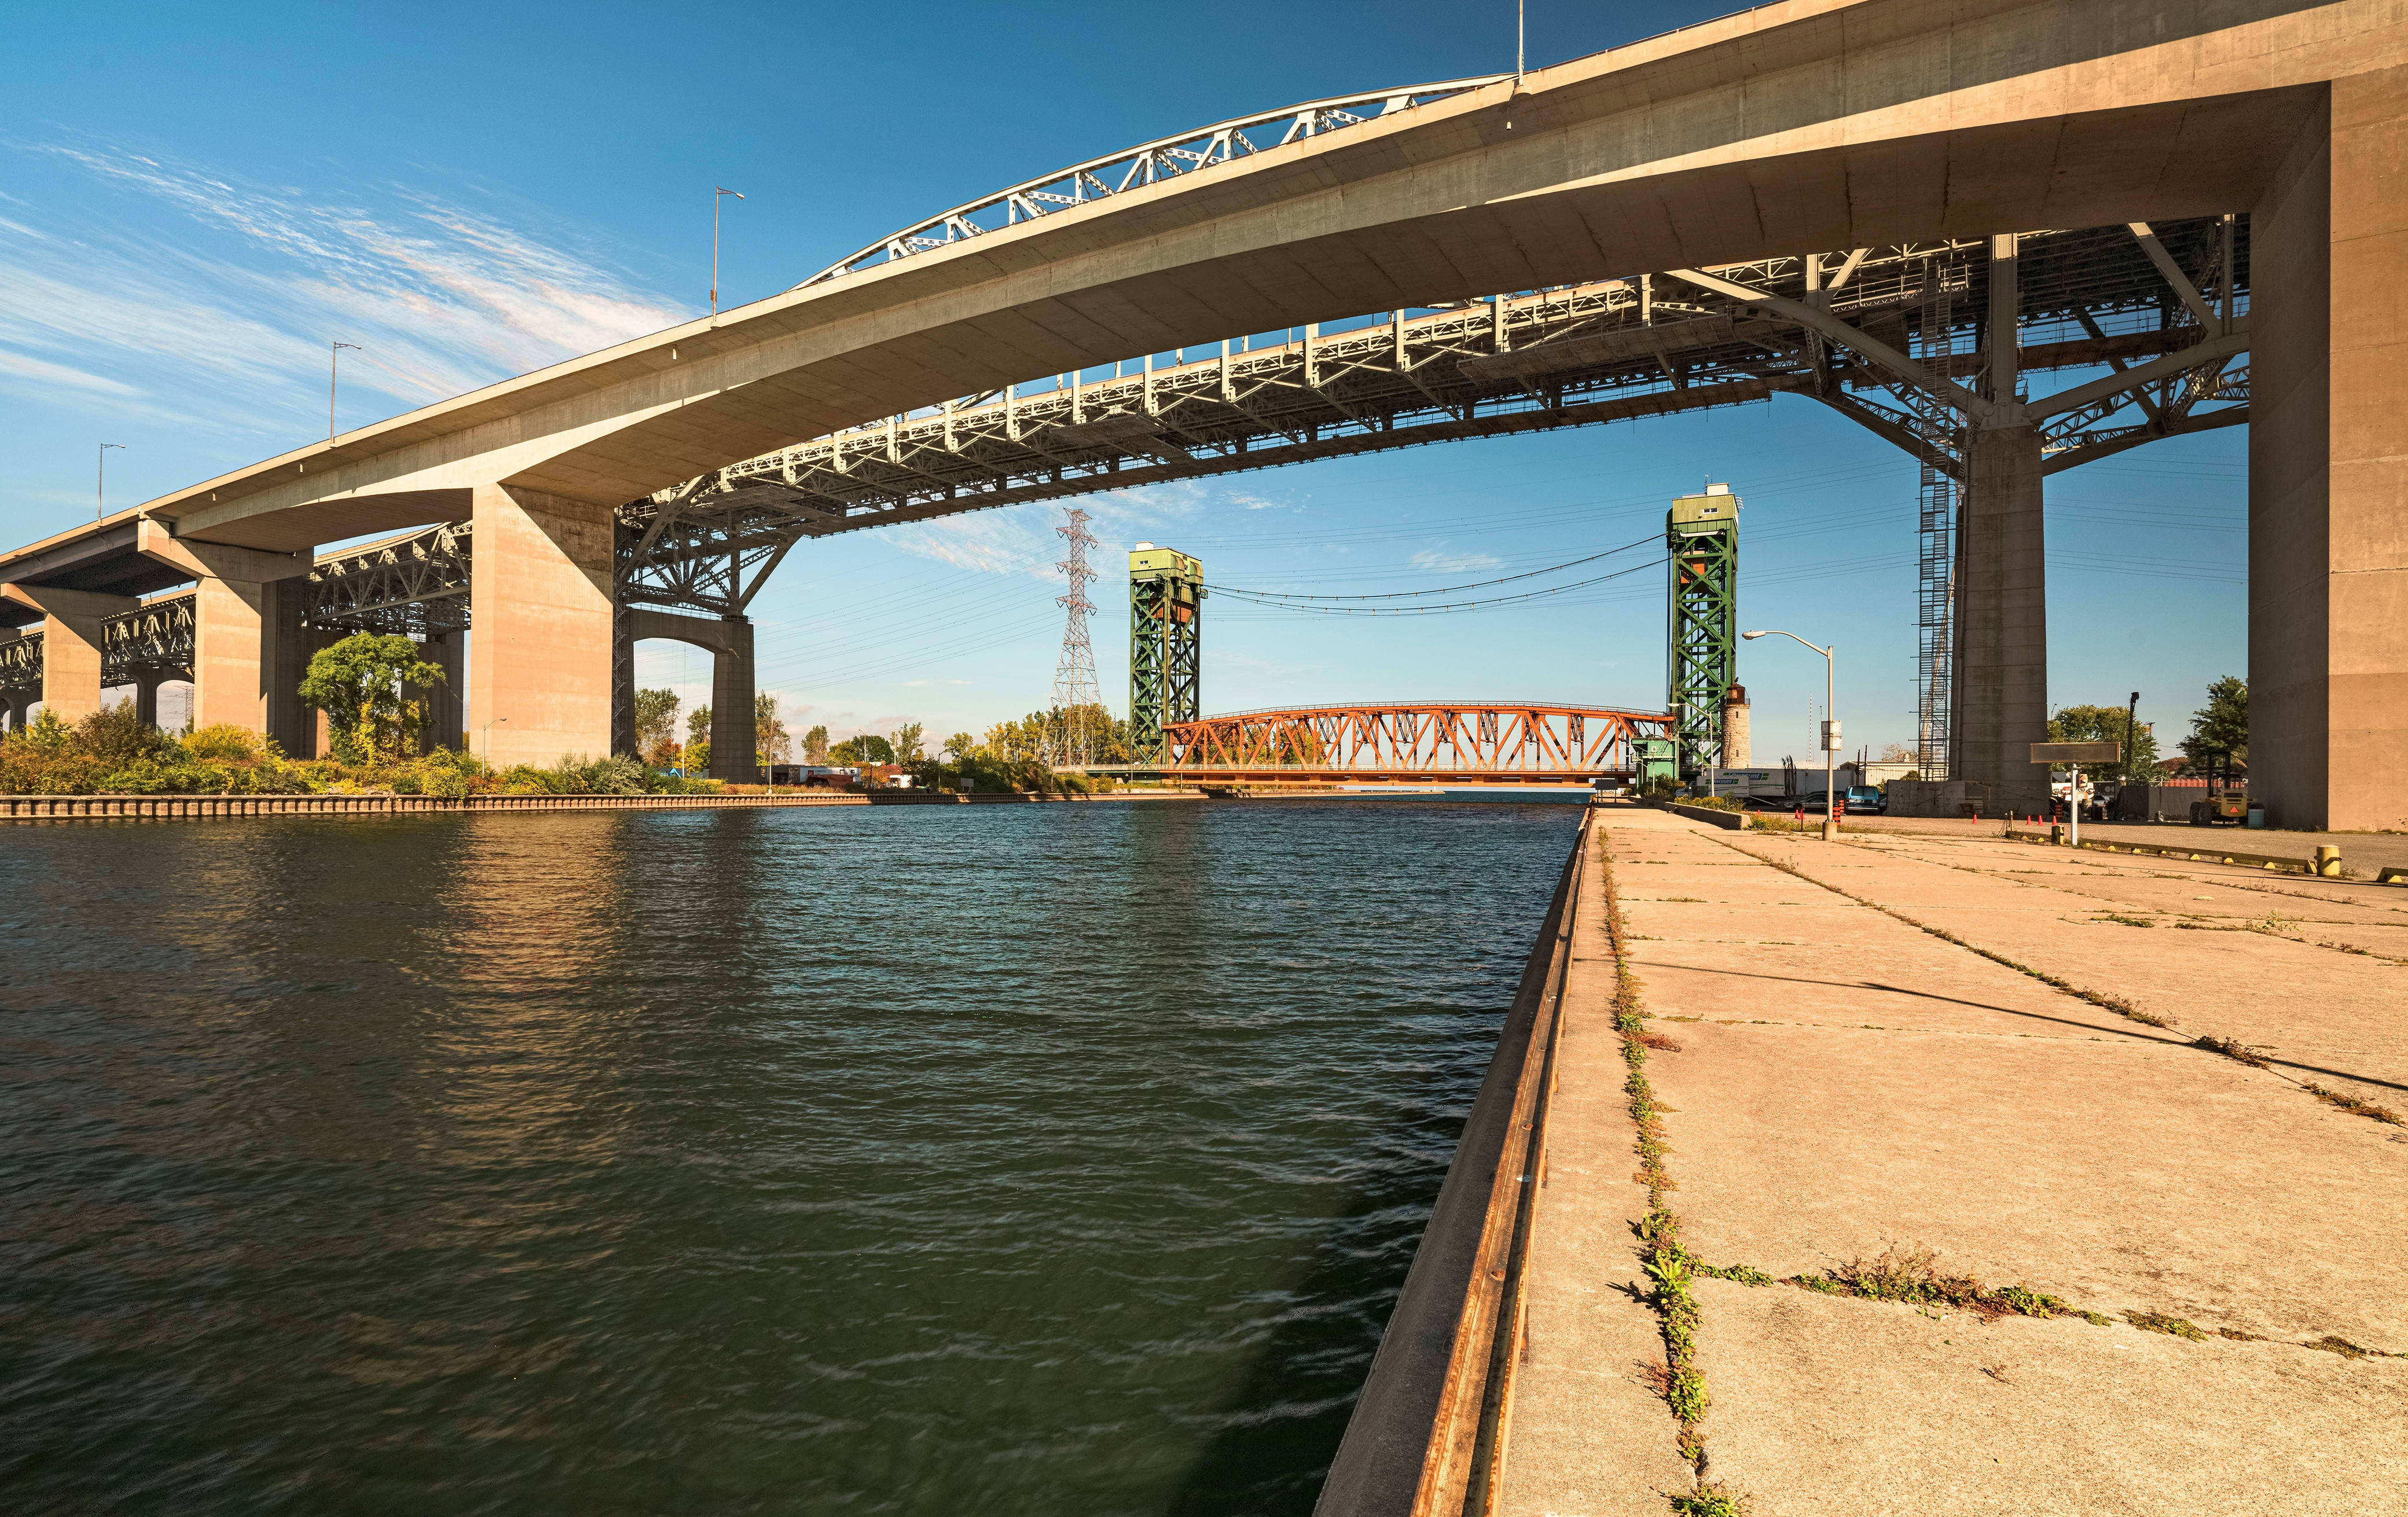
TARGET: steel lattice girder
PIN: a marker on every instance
(1608, 351)
(1150, 163)
(21, 663)
(417, 583)
(156, 638)
(1523, 741)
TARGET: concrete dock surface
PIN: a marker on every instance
(1912, 1072)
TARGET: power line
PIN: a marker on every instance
(1459, 605)
(1441, 589)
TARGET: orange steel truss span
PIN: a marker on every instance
(1523, 742)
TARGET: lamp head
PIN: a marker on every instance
(1751, 636)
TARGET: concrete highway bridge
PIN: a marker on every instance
(1898, 210)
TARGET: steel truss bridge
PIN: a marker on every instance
(1522, 742)
(1835, 327)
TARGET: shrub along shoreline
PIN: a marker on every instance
(113, 752)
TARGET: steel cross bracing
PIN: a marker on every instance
(417, 583)
(1607, 350)
(1527, 741)
(1149, 163)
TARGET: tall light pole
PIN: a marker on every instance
(334, 356)
(100, 481)
(1830, 728)
(718, 192)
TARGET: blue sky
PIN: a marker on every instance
(194, 201)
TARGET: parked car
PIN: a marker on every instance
(1867, 800)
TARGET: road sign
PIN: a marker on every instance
(2077, 753)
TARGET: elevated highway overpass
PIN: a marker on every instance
(1746, 161)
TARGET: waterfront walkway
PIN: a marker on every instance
(1979, 1059)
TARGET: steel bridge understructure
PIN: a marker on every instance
(2163, 309)
(1526, 743)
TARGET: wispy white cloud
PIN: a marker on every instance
(199, 297)
(1439, 561)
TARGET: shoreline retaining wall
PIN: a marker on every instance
(60, 808)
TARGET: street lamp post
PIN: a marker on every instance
(1830, 727)
(718, 192)
(488, 731)
(100, 482)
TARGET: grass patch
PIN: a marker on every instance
(2127, 921)
(2157, 1322)
(2353, 1104)
(2231, 1048)
(1912, 1277)
(2239, 1336)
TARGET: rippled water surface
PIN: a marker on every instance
(996, 1159)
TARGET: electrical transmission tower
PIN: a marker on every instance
(1075, 693)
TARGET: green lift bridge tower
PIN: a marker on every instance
(1701, 537)
(1166, 649)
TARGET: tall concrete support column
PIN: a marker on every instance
(447, 708)
(624, 738)
(2329, 467)
(146, 696)
(2001, 689)
(71, 643)
(540, 600)
(732, 734)
(247, 661)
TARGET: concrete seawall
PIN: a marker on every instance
(1426, 1435)
(60, 808)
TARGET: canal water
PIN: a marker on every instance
(1057, 1160)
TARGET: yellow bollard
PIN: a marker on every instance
(2328, 861)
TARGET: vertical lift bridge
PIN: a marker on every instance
(1701, 540)
(1166, 649)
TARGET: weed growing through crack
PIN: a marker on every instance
(1668, 1264)
(2127, 921)
(2157, 1322)
(2354, 1105)
(2348, 1349)
(2231, 1048)
(1712, 1500)
(2108, 1003)
(2239, 1336)
(1911, 1276)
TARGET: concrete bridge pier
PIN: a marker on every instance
(2000, 703)
(71, 643)
(729, 642)
(446, 707)
(539, 600)
(2327, 467)
(247, 635)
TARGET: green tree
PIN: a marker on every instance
(2106, 724)
(873, 749)
(358, 683)
(816, 745)
(959, 747)
(697, 725)
(770, 743)
(2219, 730)
(906, 745)
(656, 713)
